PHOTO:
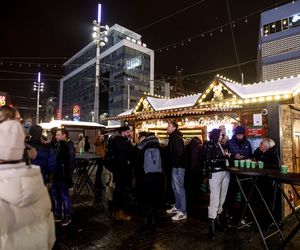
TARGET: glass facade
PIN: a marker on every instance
(125, 74)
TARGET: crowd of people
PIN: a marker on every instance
(36, 174)
(35, 177)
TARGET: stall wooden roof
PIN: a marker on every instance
(222, 94)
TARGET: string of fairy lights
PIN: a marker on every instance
(46, 63)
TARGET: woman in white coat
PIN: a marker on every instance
(25, 208)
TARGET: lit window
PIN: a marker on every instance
(266, 29)
(273, 28)
(285, 24)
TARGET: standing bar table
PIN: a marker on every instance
(85, 165)
(292, 179)
(252, 175)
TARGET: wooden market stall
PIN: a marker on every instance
(266, 109)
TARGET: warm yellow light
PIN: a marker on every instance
(277, 97)
(269, 98)
(240, 101)
(234, 96)
(207, 91)
(261, 99)
(286, 96)
(203, 96)
(233, 103)
(253, 100)
(227, 103)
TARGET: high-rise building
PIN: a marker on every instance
(279, 42)
(127, 71)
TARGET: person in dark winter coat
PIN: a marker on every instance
(216, 162)
(63, 177)
(240, 148)
(267, 153)
(46, 157)
(238, 145)
(87, 145)
(152, 168)
(176, 152)
(53, 140)
(194, 169)
(120, 166)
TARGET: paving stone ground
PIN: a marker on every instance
(93, 228)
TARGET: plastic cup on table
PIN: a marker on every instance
(253, 164)
(81, 150)
(248, 163)
(260, 164)
(242, 163)
(283, 169)
(236, 163)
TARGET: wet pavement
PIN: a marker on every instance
(93, 228)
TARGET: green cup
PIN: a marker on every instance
(248, 163)
(253, 164)
(236, 163)
(260, 164)
(283, 169)
(242, 163)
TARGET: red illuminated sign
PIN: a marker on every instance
(255, 132)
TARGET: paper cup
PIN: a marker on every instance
(283, 169)
(248, 163)
(253, 164)
(260, 164)
(242, 163)
(236, 163)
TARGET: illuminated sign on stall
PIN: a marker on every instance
(76, 113)
(2, 100)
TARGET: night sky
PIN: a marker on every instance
(41, 35)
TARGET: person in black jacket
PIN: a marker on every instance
(63, 175)
(46, 157)
(150, 162)
(194, 169)
(177, 158)
(120, 165)
(87, 145)
(267, 153)
(216, 161)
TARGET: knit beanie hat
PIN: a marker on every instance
(12, 141)
(239, 130)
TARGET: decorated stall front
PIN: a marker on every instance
(266, 109)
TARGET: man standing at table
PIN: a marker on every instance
(240, 149)
(62, 179)
(120, 155)
(177, 160)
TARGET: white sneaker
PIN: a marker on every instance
(172, 210)
(179, 216)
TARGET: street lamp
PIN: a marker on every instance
(38, 86)
(100, 40)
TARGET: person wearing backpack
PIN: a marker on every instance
(149, 157)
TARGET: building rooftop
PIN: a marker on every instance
(124, 31)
